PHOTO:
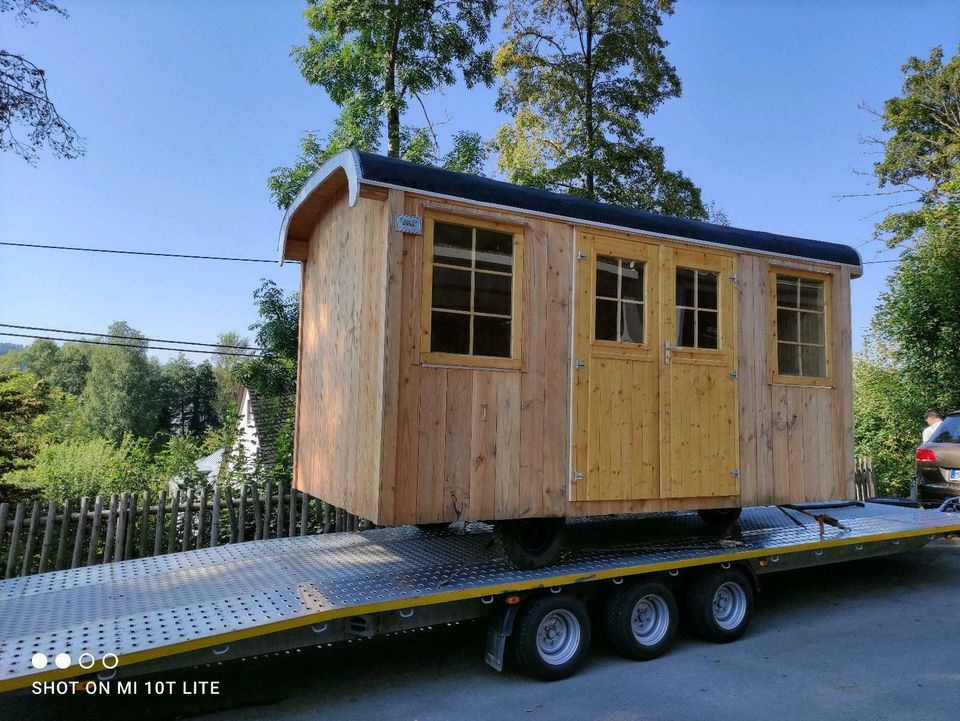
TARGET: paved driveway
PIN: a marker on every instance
(876, 639)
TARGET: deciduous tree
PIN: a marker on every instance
(578, 77)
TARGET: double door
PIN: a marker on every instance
(655, 392)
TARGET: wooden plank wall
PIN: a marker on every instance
(481, 445)
(340, 392)
(796, 442)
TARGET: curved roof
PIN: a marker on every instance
(352, 168)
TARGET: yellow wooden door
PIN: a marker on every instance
(698, 383)
(617, 349)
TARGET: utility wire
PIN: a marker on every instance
(140, 252)
(125, 337)
(125, 345)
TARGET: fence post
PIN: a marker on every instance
(4, 512)
(31, 533)
(215, 516)
(202, 519)
(119, 542)
(241, 515)
(95, 530)
(304, 504)
(111, 529)
(231, 514)
(14, 540)
(158, 531)
(81, 527)
(64, 532)
(266, 509)
(257, 528)
(292, 528)
(131, 526)
(187, 520)
(280, 524)
(144, 521)
(174, 517)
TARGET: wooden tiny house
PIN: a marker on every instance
(475, 350)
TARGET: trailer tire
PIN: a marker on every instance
(719, 604)
(641, 619)
(551, 637)
(529, 543)
(719, 516)
(433, 527)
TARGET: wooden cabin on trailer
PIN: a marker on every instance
(476, 350)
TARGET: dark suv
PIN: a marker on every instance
(938, 462)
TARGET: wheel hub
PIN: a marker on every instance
(729, 605)
(558, 637)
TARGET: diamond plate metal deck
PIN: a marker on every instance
(149, 608)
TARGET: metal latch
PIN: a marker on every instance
(578, 476)
(581, 254)
(733, 374)
(667, 352)
(578, 364)
(735, 473)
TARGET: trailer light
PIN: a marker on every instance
(763, 563)
(925, 455)
(513, 600)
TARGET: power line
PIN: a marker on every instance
(877, 262)
(140, 252)
(125, 337)
(124, 345)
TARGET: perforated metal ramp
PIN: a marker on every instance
(155, 607)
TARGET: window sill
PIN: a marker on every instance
(454, 360)
(808, 382)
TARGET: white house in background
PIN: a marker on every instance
(259, 424)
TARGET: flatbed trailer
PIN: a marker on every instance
(211, 605)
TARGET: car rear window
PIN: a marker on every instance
(948, 431)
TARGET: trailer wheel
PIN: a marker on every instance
(530, 542)
(551, 638)
(719, 604)
(433, 527)
(641, 619)
(719, 516)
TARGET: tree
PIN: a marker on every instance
(122, 393)
(920, 164)
(32, 414)
(228, 387)
(24, 100)
(374, 59)
(578, 78)
(274, 373)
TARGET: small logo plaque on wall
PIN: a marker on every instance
(408, 224)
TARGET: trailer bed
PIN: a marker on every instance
(176, 606)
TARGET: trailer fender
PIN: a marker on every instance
(499, 630)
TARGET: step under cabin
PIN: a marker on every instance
(476, 350)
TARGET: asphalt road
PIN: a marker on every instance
(871, 640)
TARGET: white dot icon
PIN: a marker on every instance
(39, 661)
(62, 660)
(86, 660)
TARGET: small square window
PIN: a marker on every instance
(619, 300)
(697, 302)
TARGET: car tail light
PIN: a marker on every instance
(925, 455)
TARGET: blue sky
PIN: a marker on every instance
(186, 107)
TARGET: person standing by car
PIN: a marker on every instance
(934, 419)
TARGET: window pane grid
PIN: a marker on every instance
(619, 330)
(801, 331)
(494, 338)
(697, 323)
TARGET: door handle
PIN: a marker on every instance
(667, 352)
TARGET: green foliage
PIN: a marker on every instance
(32, 413)
(189, 397)
(86, 467)
(578, 78)
(921, 154)
(274, 373)
(374, 59)
(228, 387)
(122, 393)
(913, 364)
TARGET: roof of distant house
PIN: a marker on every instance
(269, 415)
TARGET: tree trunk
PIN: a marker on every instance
(588, 109)
(390, 87)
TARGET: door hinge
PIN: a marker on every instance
(581, 254)
(578, 364)
(733, 374)
(577, 476)
(735, 473)
(733, 277)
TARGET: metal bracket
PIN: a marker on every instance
(733, 374)
(577, 476)
(578, 364)
(581, 254)
(667, 352)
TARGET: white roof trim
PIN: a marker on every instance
(346, 160)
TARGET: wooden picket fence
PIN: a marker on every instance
(53, 536)
(864, 479)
